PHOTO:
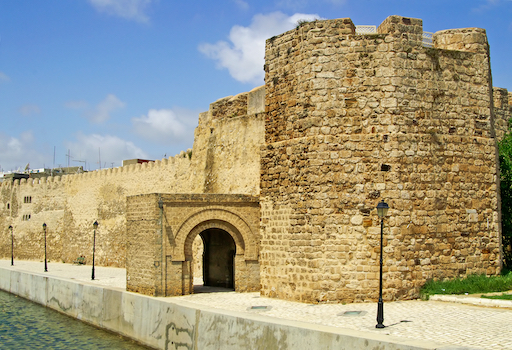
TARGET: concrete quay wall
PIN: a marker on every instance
(166, 323)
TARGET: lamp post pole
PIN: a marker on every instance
(382, 210)
(94, 247)
(45, 264)
(161, 206)
(12, 246)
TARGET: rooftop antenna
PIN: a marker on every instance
(82, 161)
(68, 156)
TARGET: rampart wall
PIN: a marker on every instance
(343, 122)
(502, 101)
(354, 119)
(160, 239)
(224, 159)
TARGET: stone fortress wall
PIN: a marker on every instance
(354, 119)
(224, 159)
(343, 121)
(502, 103)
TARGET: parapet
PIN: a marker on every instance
(256, 100)
(398, 25)
(464, 39)
(502, 101)
(246, 103)
(502, 98)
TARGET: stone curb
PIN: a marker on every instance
(463, 299)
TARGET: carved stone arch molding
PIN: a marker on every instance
(181, 217)
(237, 227)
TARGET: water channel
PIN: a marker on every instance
(27, 325)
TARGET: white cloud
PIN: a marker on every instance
(244, 55)
(128, 9)
(166, 126)
(18, 151)
(27, 110)
(111, 149)
(292, 4)
(76, 104)
(103, 110)
(295, 5)
(488, 5)
(4, 77)
(242, 5)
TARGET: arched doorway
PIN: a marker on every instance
(162, 248)
(218, 258)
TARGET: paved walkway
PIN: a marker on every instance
(453, 321)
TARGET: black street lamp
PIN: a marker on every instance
(161, 206)
(45, 265)
(12, 246)
(94, 246)
(382, 210)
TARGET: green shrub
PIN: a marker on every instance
(471, 285)
(501, 297)
(505, 152)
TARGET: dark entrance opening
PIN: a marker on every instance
(218, 258)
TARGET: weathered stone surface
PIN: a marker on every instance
(378, 117)
(225, 159)
(343, 121)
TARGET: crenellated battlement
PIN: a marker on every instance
(410, 29)
(346, 118)
(244, 104)
(465, 39)
(156, 166)
(224, 159)
(353, 119)
(502, 101)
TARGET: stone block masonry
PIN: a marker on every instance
(161, 229)
(288, 176)
(502, 100)
(225, 159)
(353, 119)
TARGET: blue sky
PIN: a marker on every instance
(121, 79)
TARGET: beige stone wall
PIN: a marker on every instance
(343, 121)
(229, 146)
(225, 159)
(160, 241)
(197, 251)
(502, 100)
(70, 204)
(42, 208)
(144, 218)
(354, 119)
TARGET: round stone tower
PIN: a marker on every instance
(353, 119)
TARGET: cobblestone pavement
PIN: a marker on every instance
(458, 324)
(103, 276)
(450, 323)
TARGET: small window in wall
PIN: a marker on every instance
(27, 199)
(385, 167)
(26, 217)
(8, 205)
